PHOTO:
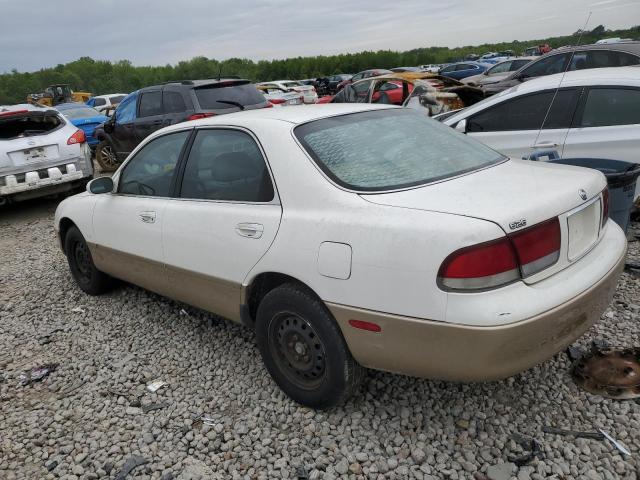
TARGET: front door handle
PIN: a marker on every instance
(546, 145)
(250, 230)
(148, 217)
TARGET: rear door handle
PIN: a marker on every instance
(148, 217)
(546, 145)
(250, 230)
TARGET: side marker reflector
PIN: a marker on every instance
(362, 325)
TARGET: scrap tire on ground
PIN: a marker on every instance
(106, 157)
(303, 348)
(84, 272)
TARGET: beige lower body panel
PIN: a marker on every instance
(438, 350)
(212, 294)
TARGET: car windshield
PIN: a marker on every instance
(390, 149)
(76, 113)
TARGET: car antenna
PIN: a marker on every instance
(566, 69)
(219, 72)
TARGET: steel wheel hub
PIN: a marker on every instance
(299, 349)
(83, 260)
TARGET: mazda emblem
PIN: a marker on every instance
(583, 194)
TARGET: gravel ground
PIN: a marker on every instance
(87, 418)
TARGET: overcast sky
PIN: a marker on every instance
(43, 33)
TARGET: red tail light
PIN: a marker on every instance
(277, 101)
(268, 105)
(197, 116)
(537, 247)
(605, 205)
(496, 263)
(78, 137)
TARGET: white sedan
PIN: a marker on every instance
(353, 236)
(581, 114)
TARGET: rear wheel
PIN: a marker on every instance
(304, 350)
(106, 157)
(84, 272)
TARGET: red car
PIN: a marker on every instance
(375, 72)
(392, 89)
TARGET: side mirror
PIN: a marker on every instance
(461, 126)
(108, 125)
(100, 185)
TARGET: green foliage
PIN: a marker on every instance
(101, 76)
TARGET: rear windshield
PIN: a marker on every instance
(390, 149)
(81, 112)
(209, 97)
(28, 125)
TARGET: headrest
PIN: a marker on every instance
(232, 166)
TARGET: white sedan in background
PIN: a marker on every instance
(354, 236)
(308, 91)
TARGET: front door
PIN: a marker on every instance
(150, 115)
(223, 222)
(128, 223)
(123, 137)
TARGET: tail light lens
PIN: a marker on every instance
(605, 205)
(76, 138)
(277, 101)
(499, 262)
(537, 247)
(197, 116)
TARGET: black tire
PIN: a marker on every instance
(84, 272)
(106, 157)
(304, 350)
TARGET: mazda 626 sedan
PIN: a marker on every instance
(352, 236)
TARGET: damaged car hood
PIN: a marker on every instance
(507, 193)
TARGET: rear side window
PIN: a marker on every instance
(611, 106)
(213, 97)
(389, 149)
(602, 59)
(524, 113)
(126, 110)
(173, 102)
(150, 104)
(226, 165)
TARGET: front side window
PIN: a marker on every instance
(390, 149)
(151, 104)
(611, 106)
(547, 66)
(524, 113)
(126, 111)
(150, 172)
(226, 165)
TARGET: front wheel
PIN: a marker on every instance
(106, 157)
(84, 272)
(304, 350)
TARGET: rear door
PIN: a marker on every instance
(607, 125)
(174, 106)
(150, 113)
(526, 125)
(226, 218)
(127, 224)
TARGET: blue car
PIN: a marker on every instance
(462, 70)
(84, 117)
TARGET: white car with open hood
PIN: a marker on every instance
(308, 92)
(41, 153)
(354, 236)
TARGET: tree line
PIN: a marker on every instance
(102, 76)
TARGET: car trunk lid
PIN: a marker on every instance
(518, 194)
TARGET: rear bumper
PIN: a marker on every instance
(50, 179)
(439, 350)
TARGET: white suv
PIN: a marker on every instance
(585, 114)
(41, 153)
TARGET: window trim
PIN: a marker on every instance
(582, 103)
(579, 90)
(181, 167)
(134, 154)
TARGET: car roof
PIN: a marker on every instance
(24, 106)
(295, 114)
(632, 46)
